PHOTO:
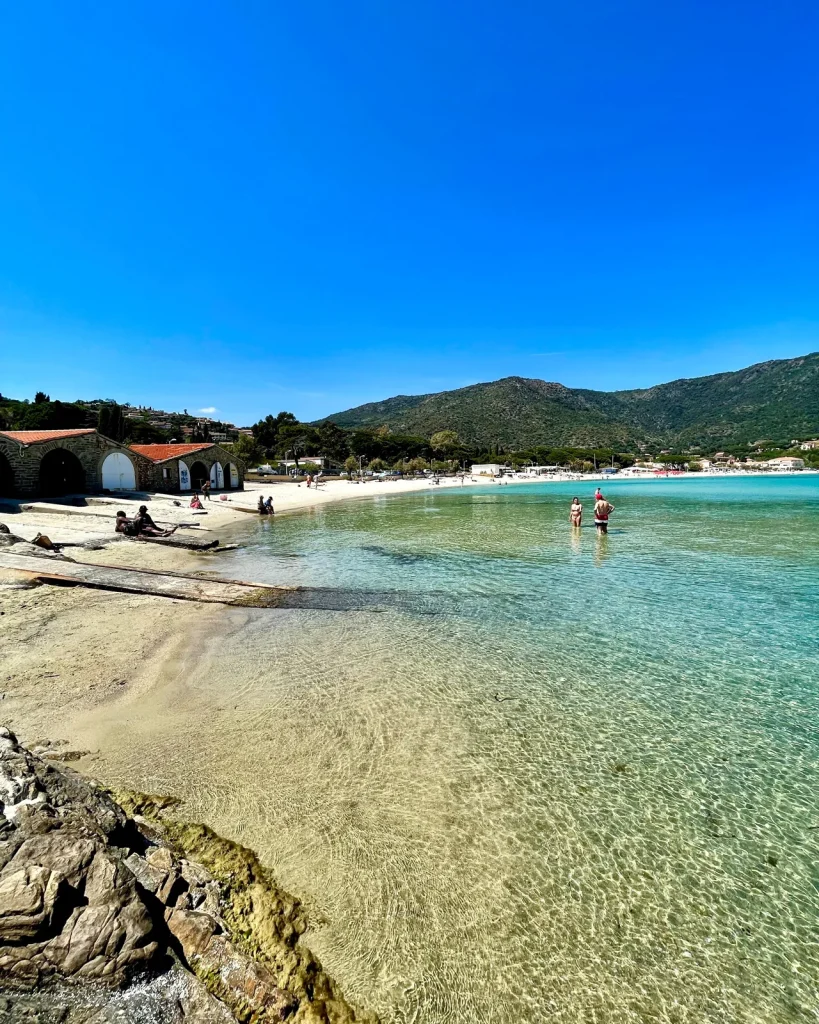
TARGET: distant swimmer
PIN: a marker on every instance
(576, 512)
(598, 494)
(602, 511)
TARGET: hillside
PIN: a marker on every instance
(776, 400)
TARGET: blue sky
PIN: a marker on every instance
(250, 206)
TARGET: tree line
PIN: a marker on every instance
(284, 437)
(105, 415)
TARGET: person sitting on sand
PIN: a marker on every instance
(261, 508)
(146, 520)
(576, 512)
(195, 502)
(125, 525)
(269, 505)
(602, 511)
(145, 524)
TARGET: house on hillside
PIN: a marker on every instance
(807, 446)
(176, 468)
(786, 462)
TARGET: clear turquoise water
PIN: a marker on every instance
(629, 834)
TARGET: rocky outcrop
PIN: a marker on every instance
(95, 900)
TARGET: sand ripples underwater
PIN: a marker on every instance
(551, 779)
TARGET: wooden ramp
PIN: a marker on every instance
(182, 586)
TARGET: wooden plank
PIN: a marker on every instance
(184, 587)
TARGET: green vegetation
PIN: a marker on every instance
(778, 400)
(757, 412)
(263, 920)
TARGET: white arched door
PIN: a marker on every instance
(217, 476)
(118, 473)
(184, 477)
(234, 475)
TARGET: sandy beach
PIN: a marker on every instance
(68, 650)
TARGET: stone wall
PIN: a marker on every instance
(22, 463)
(164, 476)
(20, 472)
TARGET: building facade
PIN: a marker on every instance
(52, 463)
(178, 468)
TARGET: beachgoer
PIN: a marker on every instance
(261, 508)
(598, 494)
(269, 505)
(602, 511)
(145, 526)
(309, 479)
(576, 512)
(195, 502)
(125, 525)
(206, 490)
(145, 518)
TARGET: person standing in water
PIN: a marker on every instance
(576, 512)
(602, 511)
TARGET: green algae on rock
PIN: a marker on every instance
(103, 917)
(263, 920)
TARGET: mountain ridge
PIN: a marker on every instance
(771, 399)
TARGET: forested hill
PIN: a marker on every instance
(777, 400)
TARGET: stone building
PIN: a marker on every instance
(185, 467)
(50, 463)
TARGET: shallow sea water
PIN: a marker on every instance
(543, 776)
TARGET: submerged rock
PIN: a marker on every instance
(103, 915)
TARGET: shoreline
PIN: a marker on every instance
(139, 677)
(92, 524)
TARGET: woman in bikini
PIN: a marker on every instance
(576, 512)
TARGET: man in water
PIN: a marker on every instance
(602, 511)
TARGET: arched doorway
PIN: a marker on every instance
(6, 477)
(118, 473)
(232, 475)
(199, 474)
(61, 472)
(217, 476)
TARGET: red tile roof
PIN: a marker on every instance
(162, 452)
(33, 436)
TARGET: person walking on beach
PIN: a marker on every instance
(576, 512)
(602, 511)
(206, 490)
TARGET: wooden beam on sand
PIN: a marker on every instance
(181, 586)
